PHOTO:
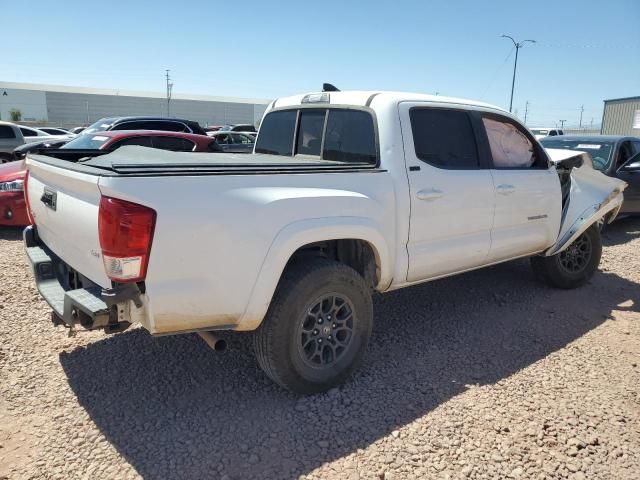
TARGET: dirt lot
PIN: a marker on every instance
(485, 375)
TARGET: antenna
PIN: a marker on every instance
(327, 87)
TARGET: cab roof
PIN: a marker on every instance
(367, 98)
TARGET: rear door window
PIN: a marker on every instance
(444, 138)
(350, 137)
(310, 128)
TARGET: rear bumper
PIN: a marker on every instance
(90, 306)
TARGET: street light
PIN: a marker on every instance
(518, 46)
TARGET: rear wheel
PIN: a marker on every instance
(318, 326)
(575, 265)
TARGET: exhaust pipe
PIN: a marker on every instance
(216, 344)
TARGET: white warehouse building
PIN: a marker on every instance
(67, 106)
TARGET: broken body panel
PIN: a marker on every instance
(593, 197)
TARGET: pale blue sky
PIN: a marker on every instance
(587, 50)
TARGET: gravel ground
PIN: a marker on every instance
(484, 375)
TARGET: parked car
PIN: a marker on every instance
(12, 136)
(12, 211)
(233, 142)
(616, 156)
(347, 193)
(30, 133)
(241, 127)
(145, 123)
(54, 130)
(546, 132)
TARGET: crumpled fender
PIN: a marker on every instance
(593, 195)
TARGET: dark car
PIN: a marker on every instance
(234, 142)
(616, 156)
(145, 123)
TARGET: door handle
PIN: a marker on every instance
(429, 194)
(505, 189)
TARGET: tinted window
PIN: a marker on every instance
(152, 125)
(6, 132)
(510, 147)
(27, 132)
(444, 138)
(142, 141)
(350, 137)
(310, 132)
(276, 133)
(174, 144)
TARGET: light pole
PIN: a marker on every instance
(518, 46)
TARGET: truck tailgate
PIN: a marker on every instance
(65, 207)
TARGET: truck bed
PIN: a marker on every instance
(137, 160)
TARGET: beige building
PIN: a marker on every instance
(621, 116)
(67, 106)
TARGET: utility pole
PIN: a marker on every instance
(581, 111)
(562, 123)
(518, 46)
(591, 127)
(169, 88)
(526, 111)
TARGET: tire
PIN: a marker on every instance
(6, 158)
(318, 326)
(574, 266)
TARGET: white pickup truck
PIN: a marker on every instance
(346, 193)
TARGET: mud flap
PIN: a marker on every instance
(593, 197)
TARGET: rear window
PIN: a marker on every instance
(277, 132)
(86, 142)
(339, 135)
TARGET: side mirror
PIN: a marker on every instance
(632, 165)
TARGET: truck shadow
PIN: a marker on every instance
(175, 409)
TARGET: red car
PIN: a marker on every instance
(12, 206)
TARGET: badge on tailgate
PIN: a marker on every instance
(49, 198)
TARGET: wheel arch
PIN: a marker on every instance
(349, 238)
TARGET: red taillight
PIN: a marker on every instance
(25, 187)
(126, 231)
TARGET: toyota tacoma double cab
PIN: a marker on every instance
(345, 194)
